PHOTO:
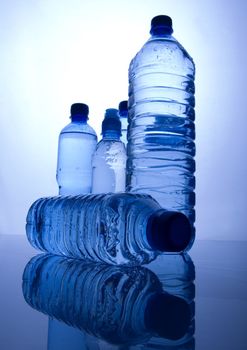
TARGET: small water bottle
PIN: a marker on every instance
(116, 228)
(120, 305)
(123, 114)
(161, 131)
(109, 160)
(77, 142)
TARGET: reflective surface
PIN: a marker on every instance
(68, 304)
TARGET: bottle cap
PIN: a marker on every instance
(123, 108)
(111, 122)
(111, 113)
(79, 108)
(161, 25)
(79, 111)
(169, 231)
(167, 315)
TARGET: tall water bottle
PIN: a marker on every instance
(116, 228)
(77, 142)
(161, 132)
(123, 114)
(109, 160)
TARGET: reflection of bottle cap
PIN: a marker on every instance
(161, 25)
(168, 316)
(79, 111)
(111, 122)
(123, 108)
(168, 231)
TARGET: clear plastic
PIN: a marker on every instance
(77, 143)
(108, 228)
(161, 132)
(109, 160)
(124, 122)
(120, 305)
(109, 166)
(116, 228)
(123, 115)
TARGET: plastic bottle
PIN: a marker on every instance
(109, 160)
(77, 142)
(123, 114)
(121, 305)
(161, 130)
(120, 228)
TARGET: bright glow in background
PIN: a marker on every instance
(57, 52)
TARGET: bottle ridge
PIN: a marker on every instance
(120, 228)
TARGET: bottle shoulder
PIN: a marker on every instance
(110, 147)
(110, 143)
(78, 127)
(165, 51)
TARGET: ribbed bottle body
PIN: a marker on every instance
(108, 227)
(120, 305)
(161, 132)
(77, 143)
(106, 301)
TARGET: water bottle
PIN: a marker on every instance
(109, 160)
(77, 142)
(116, 228)
(161, 130)
(123, 114)
(121, 305)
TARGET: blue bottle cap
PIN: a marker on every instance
(79, 108)
(111, 113)
(161, 25)
(169, 231)
(123, 108)
(79, 111)
(111, 122)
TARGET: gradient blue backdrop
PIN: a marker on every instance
(56, 52)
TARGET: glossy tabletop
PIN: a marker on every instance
(192, 302)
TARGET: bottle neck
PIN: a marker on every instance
(111, 135)
(123, 114)
(78, 118)
(161, 31)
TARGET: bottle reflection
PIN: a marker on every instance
(118, 305)
(176, 273)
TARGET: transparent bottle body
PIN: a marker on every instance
(75, 292)
(109, 167)
(108, 302)
(77, 143)
(124, 123)
(161, 132)
(109, 228)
